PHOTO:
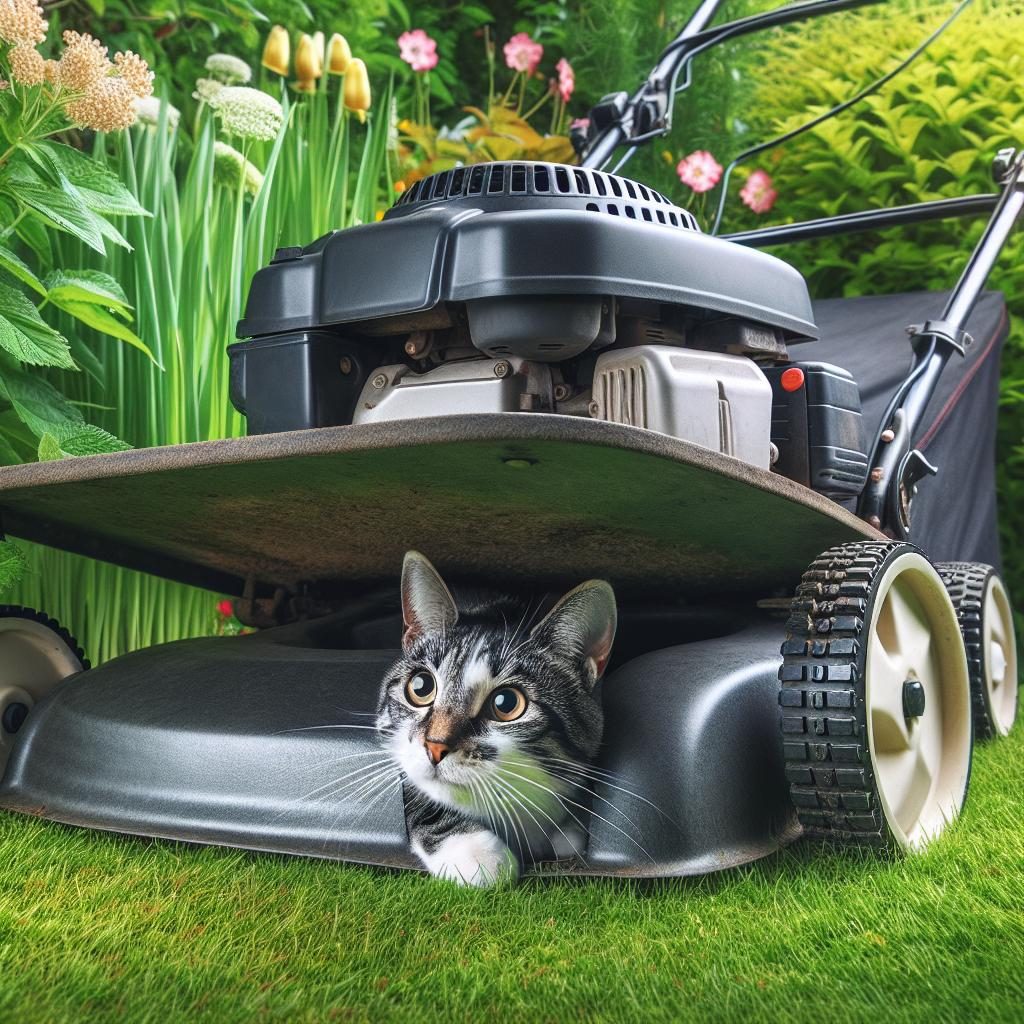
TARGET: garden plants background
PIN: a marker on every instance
(134, 208)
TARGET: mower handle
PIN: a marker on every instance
(647, 114)
(896, 465)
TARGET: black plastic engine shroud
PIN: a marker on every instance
(519, 229)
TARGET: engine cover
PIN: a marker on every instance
(523, 233)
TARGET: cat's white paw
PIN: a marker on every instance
(568, 841)
(479, 858)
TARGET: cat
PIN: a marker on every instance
(493, 721)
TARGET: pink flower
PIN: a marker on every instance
(758, 193)
(418, 50)
(580, 124)
(700, 170)
(566, 79)
(522, 53)
(226, 608)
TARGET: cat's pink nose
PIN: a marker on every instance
(435, 750)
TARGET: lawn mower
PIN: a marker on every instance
(538, 374)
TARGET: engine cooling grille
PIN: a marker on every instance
(578, 187)
(621, 394)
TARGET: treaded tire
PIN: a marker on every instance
(13, 611)
(834, 785)
(967, 583)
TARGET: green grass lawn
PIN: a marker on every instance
(99, 927)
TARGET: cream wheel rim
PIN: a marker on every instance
(1000, 652)
(33, 661)
(33, 656)
(914, 647)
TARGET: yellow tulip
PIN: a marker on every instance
(357, 88)
(277, 50)
(318, 45)
(338, 54)
(308, 66)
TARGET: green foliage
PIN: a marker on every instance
(176, 36)
(931, 133)
(12, 563)
(47, 190)
(187, 278)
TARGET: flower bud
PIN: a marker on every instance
(308, 66)
(338, 54)
(357, 88)
(277, 51)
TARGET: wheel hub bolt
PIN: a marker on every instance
(14, 716)
(913, 698)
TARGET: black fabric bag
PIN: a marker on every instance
(954, 514)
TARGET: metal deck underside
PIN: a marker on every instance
(535, 499)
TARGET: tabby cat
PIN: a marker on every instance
(493, 720)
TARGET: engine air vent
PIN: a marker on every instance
(508, 184)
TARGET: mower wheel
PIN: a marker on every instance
(986, 620)
(875, 700)
(36, 654)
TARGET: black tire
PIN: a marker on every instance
(968, 584)
(833, 780)
(13, 611)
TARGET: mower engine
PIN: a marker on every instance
(543, 288)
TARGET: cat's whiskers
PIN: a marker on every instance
(576, 783)
(372, 790)
(517, 795)
(589, 810)
(584, 771)
(558, 796)
(521, 832)
(317, 728)
(373, 752)
(357, 776)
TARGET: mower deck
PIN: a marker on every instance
(257, 742)
(485, 497)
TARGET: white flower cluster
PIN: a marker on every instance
(248, 113)
(229, 70)
(207, 89)
(147, 110)
(232, 170)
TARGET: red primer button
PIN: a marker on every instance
(792, 379)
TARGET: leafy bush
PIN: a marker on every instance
(930, 133)
(47, 189)
(220, 203)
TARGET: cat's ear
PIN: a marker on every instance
(583, 622)
(427, 604)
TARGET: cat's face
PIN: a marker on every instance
(481, 714)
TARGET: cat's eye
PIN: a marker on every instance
(420, 689)
(507, 704)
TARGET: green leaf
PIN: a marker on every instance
(49, 449)
(12, 565)
(26, 336)
(101, 189)
(92, 286)
(39, 405)
(8, 456)
(99, 319)
(89, 440)
(32, 231)
(62, 208)
(14, 265)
